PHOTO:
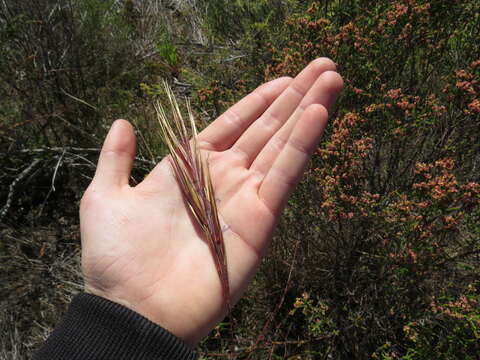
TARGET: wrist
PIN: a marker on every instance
(96, 328)
(185, 325)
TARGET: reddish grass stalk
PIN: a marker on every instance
(193, 176)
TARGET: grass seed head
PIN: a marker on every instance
(193, 176)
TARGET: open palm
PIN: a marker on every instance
(140, 247)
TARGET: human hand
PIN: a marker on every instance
(140, 247)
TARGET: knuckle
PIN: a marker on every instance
(298, 145)
(90, 198)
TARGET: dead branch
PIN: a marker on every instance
(78, 151)
(12, 186)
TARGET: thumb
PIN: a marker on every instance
(116, 158)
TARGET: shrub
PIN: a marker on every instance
(385, 214)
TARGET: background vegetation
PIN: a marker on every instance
(378, 254)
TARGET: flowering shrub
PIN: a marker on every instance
(387, 216)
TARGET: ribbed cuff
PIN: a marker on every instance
(96, 328)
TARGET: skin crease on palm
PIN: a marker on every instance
(140, 247)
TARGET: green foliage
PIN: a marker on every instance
(317, 316)
(451, 332)
(234, 19)
(168, 52)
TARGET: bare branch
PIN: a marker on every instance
(12, 186)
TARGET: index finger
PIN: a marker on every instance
(224, 131)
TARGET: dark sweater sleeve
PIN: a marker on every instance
(96, 328)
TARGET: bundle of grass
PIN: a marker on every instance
(193, 176)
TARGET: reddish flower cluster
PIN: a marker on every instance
(373, 107)
(399, 10)
(441, 186)
(474, 106)
(338, 183)
(458, 309)
(394, 93)
(433, 103)
(467, 85)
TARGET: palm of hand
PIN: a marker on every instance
(140, 246)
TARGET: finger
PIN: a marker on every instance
(224, 131)
(288, 168)
(286, 105)
(116, 158)
(323, 92)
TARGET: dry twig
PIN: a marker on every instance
(12, 186)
